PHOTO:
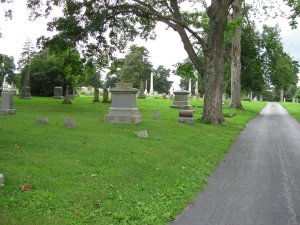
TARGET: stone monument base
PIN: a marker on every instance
(123, 115)
(25, 93)
(7, 111)
(58, 97)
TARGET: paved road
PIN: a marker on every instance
(258, 183)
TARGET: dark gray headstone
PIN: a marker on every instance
(58, 93)
(25, 92)
(69, 123)
(96, 95)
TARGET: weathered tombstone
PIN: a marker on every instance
(69, 123)
(123, 105)
(181, 100)
(141, 93)
(25, 92)
(68, 98)
(197, 96)
(156, 115)
(58, 93)
(96, 95)
(186, 116)
(164, 96)
(1, 179)
(105, 96)
(7, 105)
(142, 134)
(42, 121)
(171, 96)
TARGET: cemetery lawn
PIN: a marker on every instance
(293, 109)
(102, 173)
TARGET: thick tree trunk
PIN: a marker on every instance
(214, 57)
(281, 95)
(236, 60)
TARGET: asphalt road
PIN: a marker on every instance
(258, 182)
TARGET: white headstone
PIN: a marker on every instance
(151, 85)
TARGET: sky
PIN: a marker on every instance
(166, 50)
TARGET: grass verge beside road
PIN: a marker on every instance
(102, 173)
(293, 109)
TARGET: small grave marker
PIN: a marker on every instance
(69, 123)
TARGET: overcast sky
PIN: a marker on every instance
(166, 50)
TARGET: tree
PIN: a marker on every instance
(295, 5)
(136, 66)
(280, 69)
(236, 59)
(50, 68)
(122, 21)
(92, 75)
(160, 79)
(23, 63)
(187, 71)
(252, 75)
(7, 67)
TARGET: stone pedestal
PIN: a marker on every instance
(7, 105)
(123, 105)
(25, 92)
(58, 93)
(181, 100)
(186, 116)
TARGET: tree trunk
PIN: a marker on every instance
(281, 95)
(214, 57)
(236, 60)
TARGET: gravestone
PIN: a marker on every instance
(69, 123)
(1, 179)
(197, 96)
(7, 105)
(68, 98)
(96, 95)
(58, 93)
(141, 93)
(186, 116)
(42, 121)
(123, 105)
(171, 96)
(25, 92)
(142, 134)
(105, 96)
(156, 115)
(164, 96)
(181, 100)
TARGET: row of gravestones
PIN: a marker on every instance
(58, 94)
(123, 108)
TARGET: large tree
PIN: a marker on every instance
(136, 66)
(160, 79)
(123, 20)
(7, 68)
(252, 75)
(236, 58)
(280, 69)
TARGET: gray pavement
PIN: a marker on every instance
(258, 182)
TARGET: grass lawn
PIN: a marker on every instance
(102, 173)
(293, 109)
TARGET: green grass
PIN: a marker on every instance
(293, 109)
(101, 173)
